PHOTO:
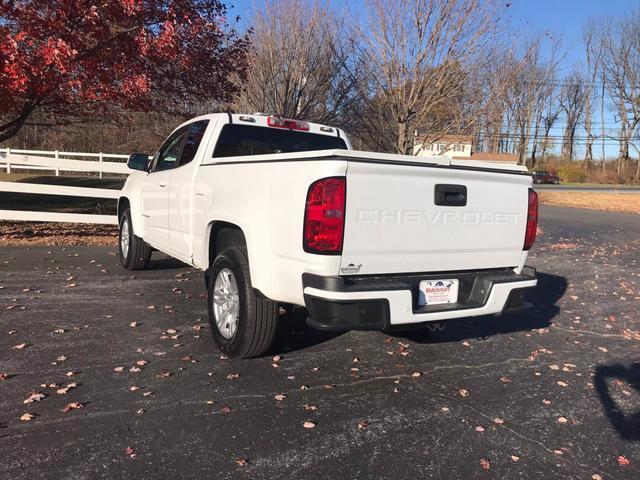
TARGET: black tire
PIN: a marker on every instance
(258, 316)
(138, 254)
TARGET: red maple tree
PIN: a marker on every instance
(75, 56)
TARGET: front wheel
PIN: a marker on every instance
(134, 252)
(243, 321)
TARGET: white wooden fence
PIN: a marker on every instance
(55, 161)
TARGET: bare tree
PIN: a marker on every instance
(621, 71)
(572, 101)
(593, 54)
(532, 87)
(549, 118)
(419, 59)
(298, 66)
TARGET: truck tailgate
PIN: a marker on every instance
(393, 224)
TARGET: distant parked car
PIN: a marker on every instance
(545, 177)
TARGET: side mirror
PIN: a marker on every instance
(138, 161)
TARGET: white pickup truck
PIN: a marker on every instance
(283, 213)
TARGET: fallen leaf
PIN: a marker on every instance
(134, 388)
(61, 358)
(34, 397)
(276, 359)
(72, 406)
(140, 412)
(309, 424)
(163, 374)
(416, 374)
(20, 346)
(4, 376)
(363, 424)
(135, 369)
(233, 376)
(59, 330)
(118, 369)
(505, 379)
(26, 417)
(562, 384)
(463, 392)
(499, 421)
(515, 458)
(479, 428)
(562, 420)
(130, 452)
(226, 409)
(279, 397)
(133, 324)
(141, 362)
(242, 462)
(310, 408)
(623, 461)
(485, 464)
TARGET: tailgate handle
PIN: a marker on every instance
(450, 195)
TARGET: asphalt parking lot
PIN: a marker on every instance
(124, 381)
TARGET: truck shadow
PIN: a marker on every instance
(626, 422)
(543, 298)
(294, 334)
(160, 261)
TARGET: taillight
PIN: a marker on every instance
(324, 216)
(532, 220)
(278, 122)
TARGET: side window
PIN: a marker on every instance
(167, 156)
(196, 134)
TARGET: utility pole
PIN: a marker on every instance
(604, 170)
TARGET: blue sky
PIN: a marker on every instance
(563, 18)
(552, 18)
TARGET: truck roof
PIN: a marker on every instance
(260, 120)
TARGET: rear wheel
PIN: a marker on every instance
(243, 321)
(134, 252)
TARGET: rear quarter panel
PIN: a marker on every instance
(267, 201)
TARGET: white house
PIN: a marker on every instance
(458, 146)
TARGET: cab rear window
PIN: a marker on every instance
(236, 140)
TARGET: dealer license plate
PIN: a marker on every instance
(435, 292)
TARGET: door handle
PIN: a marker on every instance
(450, 195)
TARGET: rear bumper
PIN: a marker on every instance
(379, 302)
